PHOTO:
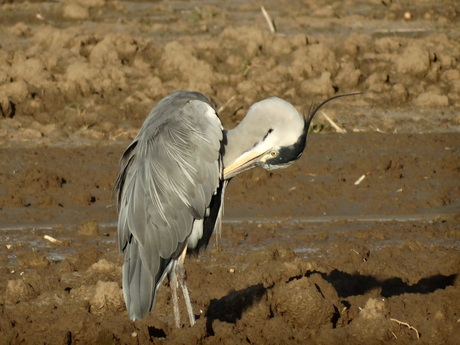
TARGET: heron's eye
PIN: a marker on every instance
(274, 153)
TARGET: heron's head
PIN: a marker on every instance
(273, 135)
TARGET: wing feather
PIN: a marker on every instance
(169, 175)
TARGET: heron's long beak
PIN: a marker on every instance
(244, 162)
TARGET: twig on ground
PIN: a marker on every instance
(130, 133)
(333, 124)
(376, 129)
(44, 20)
(358, 181)
(51, 239)
(222, 107)
(268, 19)
(417, 333)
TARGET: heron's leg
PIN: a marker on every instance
(180, 269)
(175, 302)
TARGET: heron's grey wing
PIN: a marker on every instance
(170, 173)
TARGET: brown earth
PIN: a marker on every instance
(305, 255)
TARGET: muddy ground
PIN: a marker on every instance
(307, 254)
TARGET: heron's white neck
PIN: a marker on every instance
(237, 141)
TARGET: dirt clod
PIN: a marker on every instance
(306, 256)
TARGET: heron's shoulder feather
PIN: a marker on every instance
(171, 171)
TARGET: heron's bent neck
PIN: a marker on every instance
(236, 142)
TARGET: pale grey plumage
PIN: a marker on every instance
(169, 174)
(173, 177)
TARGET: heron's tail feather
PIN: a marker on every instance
(139, 287)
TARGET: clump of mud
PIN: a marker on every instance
(308, 255)
(95, 68)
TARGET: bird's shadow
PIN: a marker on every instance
(347, 284)
(230, 308)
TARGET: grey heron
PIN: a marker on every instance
(172, 181)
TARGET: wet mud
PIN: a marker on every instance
(357, 242)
